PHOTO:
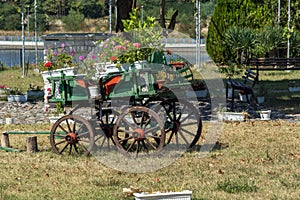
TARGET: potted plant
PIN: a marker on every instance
(177, 63)
(224, 115)
(293, 87)
(198, 89)
(265, 114)
(261, 94)
(8, 118)
(15, 95)
(34, 93)
(59, 112)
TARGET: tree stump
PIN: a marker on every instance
(5, 140)
(31, 143)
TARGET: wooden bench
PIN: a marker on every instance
(270, 64)
(244, 87)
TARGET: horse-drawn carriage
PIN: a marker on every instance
(139, 111)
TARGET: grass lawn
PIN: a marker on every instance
(255, 160)
(259, 160)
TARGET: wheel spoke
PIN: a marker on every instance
(128, 123)
(184, 138)
(145, 146)
(60, 142)
(63, 129)
(76, 148)
(68, 125)
(151, 130)
(131, 145)
(83, 140)
(126, 139)
(70, 150)
(64, 148)
(82, 134)
(82, 146)
(151, 144)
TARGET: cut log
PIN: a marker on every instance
(31, 143)
(5, 140)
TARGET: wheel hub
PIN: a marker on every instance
(139, 134)
(71, 138)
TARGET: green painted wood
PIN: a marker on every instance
(9, 149)
(27, 132)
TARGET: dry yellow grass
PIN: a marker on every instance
(260, 160)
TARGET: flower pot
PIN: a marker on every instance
(243, 97)
(53, 119)
(294, 89)
(94, 91)
(234, 116)
(196, 94)
(33, 95)
(260, 99)
(68, 71)
(186, 195)
(9, 120)
(265, 114)
(17, 98)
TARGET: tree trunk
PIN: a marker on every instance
(173, 21)
(124, 7)
(162, 14)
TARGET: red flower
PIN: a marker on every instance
(113, 58)
(48, 64)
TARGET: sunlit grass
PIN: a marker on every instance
(259, 160)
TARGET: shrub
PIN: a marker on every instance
(74, 21)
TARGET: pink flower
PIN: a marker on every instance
(94, 57)
(80, 57)
(116, 48)
(120, 47)
(72, 53)
(137, 45)
(63, 45)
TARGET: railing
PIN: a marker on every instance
(166, 40)
(19, 38)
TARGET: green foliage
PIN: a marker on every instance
(9, 17)
(271, 42)
(90, 9)
(74, 21)
(229, 13)
(241, 43)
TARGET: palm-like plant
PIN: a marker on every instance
(242, 42)
(271, 42)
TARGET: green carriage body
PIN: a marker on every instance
(137, 83)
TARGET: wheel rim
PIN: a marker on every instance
(183, 124)
(71, 135)
(136, 132)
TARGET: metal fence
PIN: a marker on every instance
(19, 38)
(166, 40)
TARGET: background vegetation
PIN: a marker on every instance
(242, 29)
(92, 15)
